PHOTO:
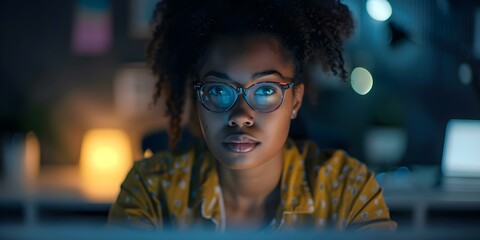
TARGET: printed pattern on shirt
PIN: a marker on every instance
(320, 190)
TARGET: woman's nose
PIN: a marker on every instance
(241, 114)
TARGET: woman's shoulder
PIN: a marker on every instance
(345, 186)
(161, 171)
(329, 162)
(166, 161)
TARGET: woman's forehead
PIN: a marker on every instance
(247, 55)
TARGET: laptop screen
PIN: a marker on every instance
(461, 151)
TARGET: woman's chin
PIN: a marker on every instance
(239, 161)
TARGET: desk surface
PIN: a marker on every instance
(87, 232)
(60, 185)
(432, 197)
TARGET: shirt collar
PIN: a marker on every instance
(295, 194)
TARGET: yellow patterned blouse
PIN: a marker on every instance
(320, 190)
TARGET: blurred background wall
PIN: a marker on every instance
(48, 88)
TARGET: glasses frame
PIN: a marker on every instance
(198, 86)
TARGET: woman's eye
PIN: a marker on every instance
(265, 91)
(217, 91)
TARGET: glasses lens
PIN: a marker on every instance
(265, 97)
(218, 96)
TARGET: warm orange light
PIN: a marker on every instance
(105, 159)
(31, 161)
(148, 153)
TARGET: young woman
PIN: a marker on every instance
(245, 65)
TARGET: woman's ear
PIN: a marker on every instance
(298, 92)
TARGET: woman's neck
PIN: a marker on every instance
(251, 194)
(251, 183)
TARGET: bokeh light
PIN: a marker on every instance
(106, 156)
(361, 80)
(380, 10)
(465, 73)
(32, 159)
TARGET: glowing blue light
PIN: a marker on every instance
(380, 10)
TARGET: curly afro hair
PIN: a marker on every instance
(310, 31)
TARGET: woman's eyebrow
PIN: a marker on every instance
(217, 74)
(254, 76)
(265, 73)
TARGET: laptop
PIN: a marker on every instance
(461, 156)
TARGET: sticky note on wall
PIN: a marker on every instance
(92, 27)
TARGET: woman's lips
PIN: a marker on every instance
(241, 147)
(241, 143)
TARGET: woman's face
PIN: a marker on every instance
(242, 138)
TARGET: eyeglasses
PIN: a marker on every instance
(262, 97)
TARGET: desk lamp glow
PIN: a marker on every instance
(105, 158)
